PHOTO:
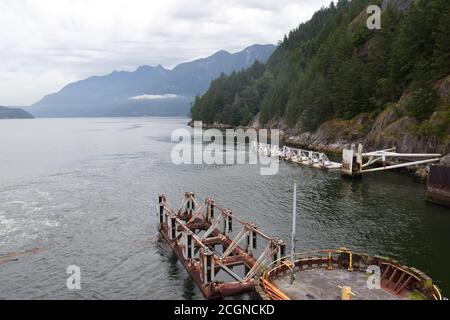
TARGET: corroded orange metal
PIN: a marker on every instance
(190, 220)
(395, 278)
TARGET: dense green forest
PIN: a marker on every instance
(334, 67)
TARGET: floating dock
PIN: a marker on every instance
(202, 237)
(311, 158)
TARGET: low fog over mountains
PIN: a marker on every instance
(148, 91)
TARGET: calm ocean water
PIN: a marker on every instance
(84, 192)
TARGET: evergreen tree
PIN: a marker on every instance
(333, 66)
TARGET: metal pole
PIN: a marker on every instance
(294, 214)
(401, 165)
(404, 155)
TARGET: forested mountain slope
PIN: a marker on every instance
(334, 77)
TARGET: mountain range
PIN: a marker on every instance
(148, 91)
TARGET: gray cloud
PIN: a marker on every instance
(45, 44)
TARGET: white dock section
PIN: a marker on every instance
(311, 158)
(383, 155)
(352, 159)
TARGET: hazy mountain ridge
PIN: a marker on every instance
(14, 113)
(111, 95)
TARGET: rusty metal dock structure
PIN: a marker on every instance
(202, 237)
(211, 242)
(343, 275)
(195, 232)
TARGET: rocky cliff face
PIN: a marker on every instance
(385, 133)
(391, 128)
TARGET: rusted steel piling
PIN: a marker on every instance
(194, 231)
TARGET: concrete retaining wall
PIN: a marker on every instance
(438, 185)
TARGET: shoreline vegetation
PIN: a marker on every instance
(333, 82)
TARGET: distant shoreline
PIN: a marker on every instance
(14, 113)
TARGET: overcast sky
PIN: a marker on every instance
(45, 44)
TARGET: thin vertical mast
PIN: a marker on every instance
(294, 215)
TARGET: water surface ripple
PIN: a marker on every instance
(84, 191)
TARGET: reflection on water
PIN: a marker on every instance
(172, 266)
(85, 191)
(189, 292)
